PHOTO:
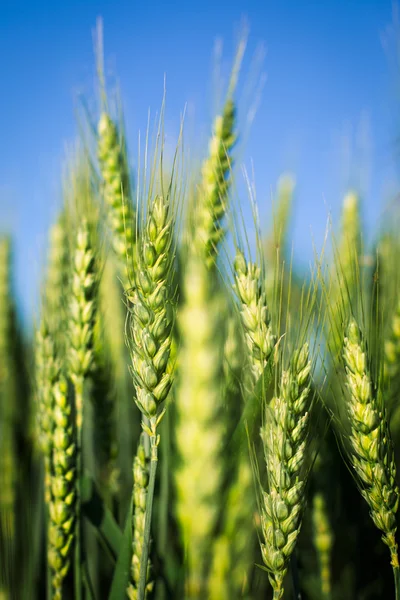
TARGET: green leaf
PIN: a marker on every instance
(98, 514)
(121, 577)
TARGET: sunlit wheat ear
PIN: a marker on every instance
(250, 290)
(152, 311)
(350, 236)
(232, 549)
(370, 445)
(81, 315)
(213, 190)
(286, 438)
(346, 274)
(62, 488)
(228, 577)
(152, 305)
(117, 196)
(47, 369)
(276, 243)
(200, 427)
(57, 281)
(140, 484)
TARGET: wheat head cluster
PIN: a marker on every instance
(193, 417)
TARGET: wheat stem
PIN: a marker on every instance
(149, 509)
(278, 593)
(140, 492)
(396, 574)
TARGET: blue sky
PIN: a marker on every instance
(327, 112)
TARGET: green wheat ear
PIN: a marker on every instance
(115, 180)
(213, 190)
(200, 422)
(285, 437)
(57, 281)
(231, 567)
(152, 305)
(199, 397)
(152, 312)
(46, 373)
(345, 280)
(81, 315)
(117, 197)
(371, 447)
(250, 290)
(62, 488)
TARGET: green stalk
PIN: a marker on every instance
(278, 594)
(396, 574)
(149, 509)
(164, 487)
(396, 570)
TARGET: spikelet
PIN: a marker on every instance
(117, 196)
(285, 437)
(140, 483)
(63, 488)
(371, 450)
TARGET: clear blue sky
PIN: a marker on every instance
(328, 110)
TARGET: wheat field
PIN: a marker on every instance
(192, 418)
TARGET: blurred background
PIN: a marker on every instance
(325, 74)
